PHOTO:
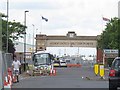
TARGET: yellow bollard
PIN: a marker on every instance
(102, 71)
(96, 69)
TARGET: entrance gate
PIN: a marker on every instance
(70, 40)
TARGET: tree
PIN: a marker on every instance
(110, 38)
(15, 28)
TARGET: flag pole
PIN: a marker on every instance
(102, 24)
(41, 24)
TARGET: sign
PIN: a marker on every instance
(70, 43)
(110, 51)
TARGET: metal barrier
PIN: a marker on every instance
(6, 64)
(1, 71)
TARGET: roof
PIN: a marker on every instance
(117, 58)
(42, 52)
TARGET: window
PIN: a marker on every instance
(43, 58)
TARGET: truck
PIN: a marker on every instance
(42, 63)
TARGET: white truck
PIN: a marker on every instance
(42, 63)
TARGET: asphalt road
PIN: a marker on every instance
(83, 77)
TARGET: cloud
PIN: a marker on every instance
(83, 16)
(33, 5)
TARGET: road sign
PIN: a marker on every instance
(110, 51)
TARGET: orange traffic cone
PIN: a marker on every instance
(10, 80)
(54, 72)
(6, 84)
(51, 72)
(14, 80)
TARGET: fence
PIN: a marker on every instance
(1, 72)
(6, 62)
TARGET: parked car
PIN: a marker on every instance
(56, 63)
(114, 74)
(63, 63)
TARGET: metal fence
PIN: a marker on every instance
(6, 62)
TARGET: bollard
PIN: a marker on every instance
(96, 69)
(102, 70)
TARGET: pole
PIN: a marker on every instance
(33, 39)
(118, 29)
(25, 39)
(1, 62)
(103, 58)
(7, 26)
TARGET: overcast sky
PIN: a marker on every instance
(82, 16)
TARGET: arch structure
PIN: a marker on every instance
(70, 40)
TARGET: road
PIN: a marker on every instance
(82, 77)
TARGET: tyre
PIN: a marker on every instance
(112, 85)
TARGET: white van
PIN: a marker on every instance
(63, 63)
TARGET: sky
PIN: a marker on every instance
(82, 16)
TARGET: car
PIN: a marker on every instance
(114, 74)
(56, 63)
(63, 63)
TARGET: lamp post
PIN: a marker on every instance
(7, 26)
(25, 39)
(33, 38)
(119, 29)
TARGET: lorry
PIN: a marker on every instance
(42, 63)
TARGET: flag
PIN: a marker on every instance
(44, 19)
(106, 19)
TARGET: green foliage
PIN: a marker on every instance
(15, 30)
(110, 37)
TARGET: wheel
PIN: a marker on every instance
(112, 85)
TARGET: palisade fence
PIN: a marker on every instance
(6, 63)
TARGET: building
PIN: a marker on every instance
(19, 46)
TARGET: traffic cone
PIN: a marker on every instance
(51, 72)
(10, 76)
(6, 84)
(14, 79)
(10, 80)
(54, 72)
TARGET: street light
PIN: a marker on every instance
(25, 39)
(33, 38)
(7, 26)
(118, 29)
